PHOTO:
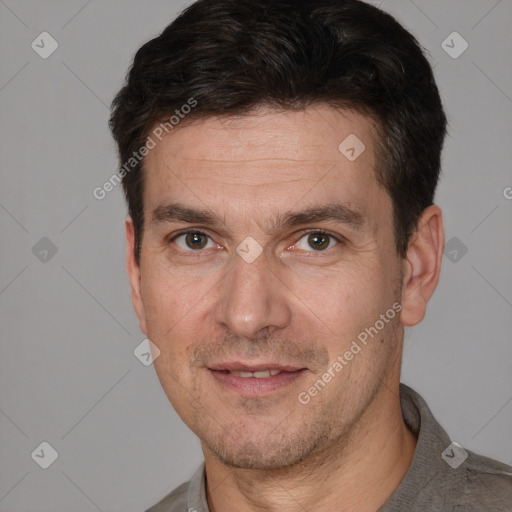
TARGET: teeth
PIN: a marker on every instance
(261, 374)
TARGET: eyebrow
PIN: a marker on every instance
(337, 212)
(176, 212)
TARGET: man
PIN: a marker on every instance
(280, 160)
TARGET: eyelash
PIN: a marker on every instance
(341, 240)
(338, 238)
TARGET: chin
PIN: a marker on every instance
(260, 461)
(264, 455)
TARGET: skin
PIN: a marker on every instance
(348, 448)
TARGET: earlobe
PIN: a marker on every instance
(134, 274)
(422, 265)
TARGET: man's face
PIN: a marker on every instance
(289, 257)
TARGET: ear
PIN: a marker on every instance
(134, 275)
(422, 265)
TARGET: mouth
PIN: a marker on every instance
(255, 380)
(260, 374)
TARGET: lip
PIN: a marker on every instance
(253, 386)
(237, 366)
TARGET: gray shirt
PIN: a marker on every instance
(443, 476)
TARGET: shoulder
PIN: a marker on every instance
(175, 501)
(487, 485)
(436, 480)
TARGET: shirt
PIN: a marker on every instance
(443, 476)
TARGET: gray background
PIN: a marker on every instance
(68, 375)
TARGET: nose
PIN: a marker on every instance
(252, 299)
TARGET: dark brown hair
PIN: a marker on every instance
(230, 56)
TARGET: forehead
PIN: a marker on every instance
(266, 161)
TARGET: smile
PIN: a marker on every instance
(257, 380)
(261, 374)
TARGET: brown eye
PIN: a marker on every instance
(193, 240)
(196, 240)
(316, 240)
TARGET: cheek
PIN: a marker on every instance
(176, 306)
(167, 293)
(345, 307)
(172, 311)
(164, 306)
(157, 299)
(342, 297)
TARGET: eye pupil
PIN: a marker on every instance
(196, 240)
(318, 241)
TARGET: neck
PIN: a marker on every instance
(358, 472)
